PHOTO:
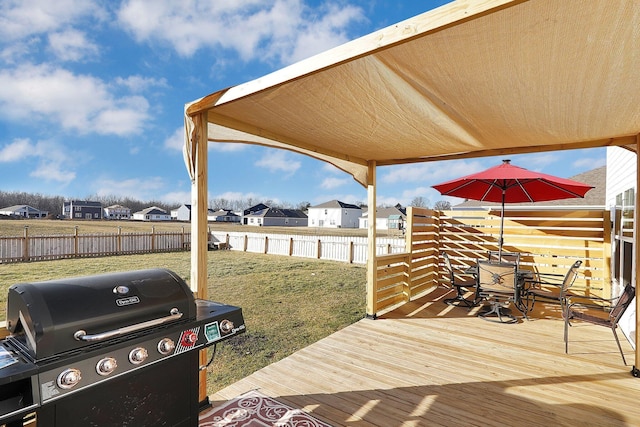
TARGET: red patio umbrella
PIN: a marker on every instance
(507, 183)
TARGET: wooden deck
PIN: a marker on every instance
(429, 364)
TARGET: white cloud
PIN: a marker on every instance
(329, 183)
(278, 161)
(138, 84)
(146, 188)
(176, 140)
(16, 151)
(20, 19)
(79, 103)
(428, 172)
(281, 30)
(72, 45)
(53, 161)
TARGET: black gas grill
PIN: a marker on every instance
(108, 350)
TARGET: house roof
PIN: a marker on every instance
(17, 208)
(596, 197)
(278, 213)
(153, 210)
(86, 203)
(222, 212)
(388, 212)
(334, 204)
(472, 78)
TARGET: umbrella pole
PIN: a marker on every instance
(501, 227)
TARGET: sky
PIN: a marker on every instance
(92, 95)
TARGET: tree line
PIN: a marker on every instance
(53, 204)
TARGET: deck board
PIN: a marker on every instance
(428, 364)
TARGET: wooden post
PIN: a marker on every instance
(199, 204)
(290, 246)
(351, 251)
(25, 245)
(266, 244)
(371, 241)
(76, 243)
(153, 238)
(119, 241)
(319, 249)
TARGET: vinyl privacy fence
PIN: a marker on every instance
(78, 245)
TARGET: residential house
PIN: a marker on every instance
(23, 211)
(223, 215)
(277, 217)
(153, 213)
(334, 214)
(183, 213)
(251, 210)
(391, 218)
(81, 209)
(117, 212)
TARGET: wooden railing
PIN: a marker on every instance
(548, 241)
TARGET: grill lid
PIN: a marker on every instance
(56, 316)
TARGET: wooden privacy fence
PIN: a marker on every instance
(548, 241)
(41, 248)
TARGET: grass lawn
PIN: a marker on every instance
(288, 303)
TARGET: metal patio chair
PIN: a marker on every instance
(497, 284)
(551, 287)
(461, 285)
(600, 311)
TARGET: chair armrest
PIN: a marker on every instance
(590, 302)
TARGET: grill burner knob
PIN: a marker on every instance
(106, 366)
(226, 326)
(166, 346)
(138, 355)
(189, 338)
(69, 378)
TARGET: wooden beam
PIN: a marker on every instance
(199, 232)
(623, 141)
(199, 205)
(371, 242)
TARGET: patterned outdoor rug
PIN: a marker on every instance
(254, 409)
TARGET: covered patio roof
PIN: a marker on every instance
(472, 78)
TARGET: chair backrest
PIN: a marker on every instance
(447, 264)
(623, 302)
(497, 277)
(509, 257)
(570, 277)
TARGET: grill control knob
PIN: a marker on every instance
(189, 338)
(166, 346)
(69, 378)
(138, 355)
(226, 326)
(106, 366)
